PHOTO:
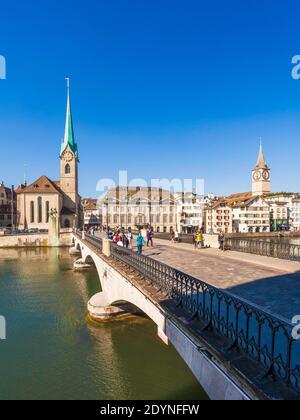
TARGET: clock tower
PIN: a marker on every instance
(69, 169)
(261, 176)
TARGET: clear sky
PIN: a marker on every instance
(161, 88)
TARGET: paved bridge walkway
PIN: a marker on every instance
(268, 282)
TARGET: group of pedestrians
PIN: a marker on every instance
(121, 237)
(124, 238)
(92, 230)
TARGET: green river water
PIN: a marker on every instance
(52, 351)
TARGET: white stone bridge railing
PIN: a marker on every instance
(234, 330)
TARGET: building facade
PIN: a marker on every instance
(45, 198)
(295, 214)
(280, 210)
(91, 213)
(8, 207)
(137, 208)
(250, 215)
(189, 212)
(218, 217)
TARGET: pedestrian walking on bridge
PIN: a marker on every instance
(140, 243)
(150, 238)
(222, 241)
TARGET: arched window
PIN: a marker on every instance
(67, 224)
(47, 211)
(31, 212)
(40, 210)
(67, 169)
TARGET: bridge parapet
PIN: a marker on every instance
(265, 248)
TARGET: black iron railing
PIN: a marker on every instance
(246, 328)
(94, 240)
(266, 248)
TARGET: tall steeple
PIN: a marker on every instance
(261, 162)
(261, 178)
(69, 170)
(69, 138)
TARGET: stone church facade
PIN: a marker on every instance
(43, 198)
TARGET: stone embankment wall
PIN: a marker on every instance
(36, 240)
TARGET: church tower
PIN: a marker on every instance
(69, 165)
(261, 176)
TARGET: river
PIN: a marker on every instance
(53, 351)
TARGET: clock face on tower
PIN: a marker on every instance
(68, 156)
(256, 176)
(266, 175)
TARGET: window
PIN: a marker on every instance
(67, 224)
(47, 211)
(67, 169)
(31, 212)
(40, 210)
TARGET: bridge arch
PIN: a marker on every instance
(89, 260)
(116, 288)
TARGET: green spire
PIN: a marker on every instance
(69, 139)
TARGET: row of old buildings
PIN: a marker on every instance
(255, 211)
(137, 207)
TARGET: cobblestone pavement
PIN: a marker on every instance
(275, 290)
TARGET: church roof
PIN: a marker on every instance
(261, 162)
(89, 204)
(240, 196)
(237, 200)
(40, 186)
(69, 138)
(66, 212)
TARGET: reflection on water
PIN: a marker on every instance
(53, 352)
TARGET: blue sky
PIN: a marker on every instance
(167, 88)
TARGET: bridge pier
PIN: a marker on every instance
(100, 309)
(74, 251)
(80, 265)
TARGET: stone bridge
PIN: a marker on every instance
(235, 351)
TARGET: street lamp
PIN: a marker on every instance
(105, 202)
